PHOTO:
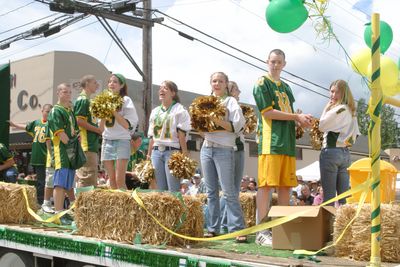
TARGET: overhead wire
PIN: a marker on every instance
(18, 8)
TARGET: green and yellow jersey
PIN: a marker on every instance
(275, 136)
(89, 140)
(37, 129)
(61, 119)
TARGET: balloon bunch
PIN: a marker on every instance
(202, 110)
(285, 16)
(361, 60)
(251, 119)
(144, 170)
(181, 166)
(103, 105)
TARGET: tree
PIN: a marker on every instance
(389, 129)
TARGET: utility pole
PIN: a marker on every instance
(147, 64)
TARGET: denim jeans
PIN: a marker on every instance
(239, 167)
(165, 180)
(218, 164)
(334, 175)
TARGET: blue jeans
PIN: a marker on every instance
(165, 180)
(239, 168)
(333, 164)
(218, 163)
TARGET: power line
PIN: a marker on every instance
(26, 24)
(18, 8)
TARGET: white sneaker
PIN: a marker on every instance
(264, 238)
(48, 209)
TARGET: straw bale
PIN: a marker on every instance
(343, 216)
(116, 215)
(13, 205)
(359, 235)
(248, 204)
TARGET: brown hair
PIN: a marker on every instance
(347, 96)
(224, 75)
(121, 79)
(277, 52)
(85, 79)
(173, 88)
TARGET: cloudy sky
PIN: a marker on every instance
(239, 23)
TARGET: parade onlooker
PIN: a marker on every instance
(198, 186)
(37, 129)
(319, 198)
(168, 129)
(184, 188)
(218, 159)
(89, 132)
(63, 124)
(339, 124)
(116, 149)
(252, 187)
(8, 170)
(277, 138)
(306, 197)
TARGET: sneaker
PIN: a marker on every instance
(264, 238)
(48, 209)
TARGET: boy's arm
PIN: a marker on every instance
(303, 119)
(7, 164)
(19, 126)
(84, 124)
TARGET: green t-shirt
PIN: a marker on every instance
(5, 154)
(275, 136)
(61, 119)
(89, 139)
(37, 129)
(135, 158)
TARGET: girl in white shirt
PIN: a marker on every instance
(116, 148)
(168, 129)
(339, 124)
(218, 161)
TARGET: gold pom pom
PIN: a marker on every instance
(299, 129)
(103, 105)
(203, 109)
(181, 166)
(251, 119)
(144, 170)
(317, 137)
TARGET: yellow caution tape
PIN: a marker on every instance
(364, 193)
(361, 187)
(54, 219)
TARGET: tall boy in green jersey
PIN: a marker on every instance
(37, 129)
(89, 132)
(277, 141)
(63, 124)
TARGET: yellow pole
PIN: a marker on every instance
(374, 137)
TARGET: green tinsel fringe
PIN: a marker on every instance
(101, 249)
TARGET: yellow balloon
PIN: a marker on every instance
(391, 91)
(389, 72)
(361, 60)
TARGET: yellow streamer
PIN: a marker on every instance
(55, 218)
(256, 228)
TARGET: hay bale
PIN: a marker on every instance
(343, 216)
(13, 205)
(117, 216)
(358, 237)
(248, 204)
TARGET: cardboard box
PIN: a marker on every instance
(310, 231)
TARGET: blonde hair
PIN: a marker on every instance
(347, 96)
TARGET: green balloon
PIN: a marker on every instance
(286, 15)
(386, 35)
